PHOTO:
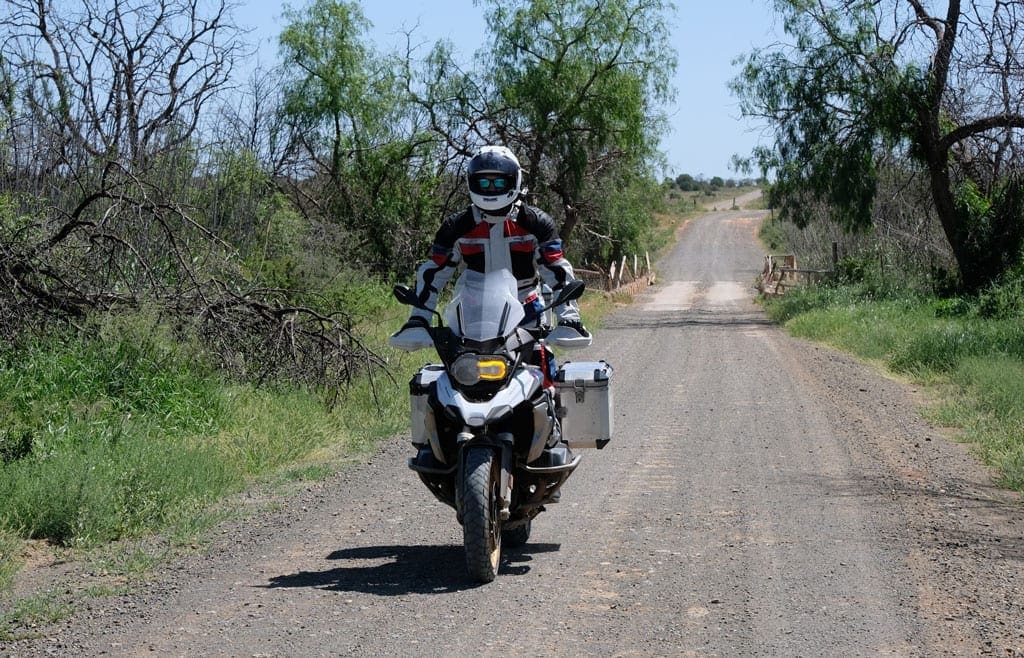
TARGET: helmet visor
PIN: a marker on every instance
(490, 183)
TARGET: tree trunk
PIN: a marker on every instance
(937, 152)
(942, 195)
(571, 217)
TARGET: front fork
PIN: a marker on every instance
(502, 446)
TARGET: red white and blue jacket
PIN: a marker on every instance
(525, 242)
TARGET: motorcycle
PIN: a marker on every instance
(487, 422)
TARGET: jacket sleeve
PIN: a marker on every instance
(435, 273)
(554, 268)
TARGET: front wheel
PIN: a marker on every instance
(481, 524)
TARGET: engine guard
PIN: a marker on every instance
(438, 478)
(547, 480)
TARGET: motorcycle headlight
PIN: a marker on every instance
(471, 369)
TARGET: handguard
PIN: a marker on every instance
(569, 338)
(411, 337)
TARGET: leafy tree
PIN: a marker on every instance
(361, 159)
(623, 228)
(865, 79)
(332, 79)
(577, 86)
(687, 183)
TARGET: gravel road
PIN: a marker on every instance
(762, 497)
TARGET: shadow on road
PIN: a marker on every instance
(398, 570)
(687, 319)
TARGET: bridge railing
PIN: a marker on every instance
(781, 272)
(628, 275)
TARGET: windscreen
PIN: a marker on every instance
(485, 306)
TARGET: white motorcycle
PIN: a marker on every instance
(493, 437)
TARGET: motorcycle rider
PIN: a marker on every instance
(498, 230)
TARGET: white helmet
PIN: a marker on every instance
(495, 179)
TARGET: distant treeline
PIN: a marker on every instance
(689, 183)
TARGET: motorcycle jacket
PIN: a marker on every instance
(524, 242)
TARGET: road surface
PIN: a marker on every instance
(762, 497)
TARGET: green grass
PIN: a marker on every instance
(10, 556)
(129, 433)
(23, 615)
(978, 361)
(992, 414)
(101, 438)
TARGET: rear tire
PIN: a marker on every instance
(481, 524)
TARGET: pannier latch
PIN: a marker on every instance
(580, 389)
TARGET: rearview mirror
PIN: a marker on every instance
(572, 290)
(406, 295)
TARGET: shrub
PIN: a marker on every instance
(1003, 300)
(951, 307)
(772, 235)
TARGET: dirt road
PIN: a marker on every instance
(762, 496)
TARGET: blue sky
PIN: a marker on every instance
(708, 36)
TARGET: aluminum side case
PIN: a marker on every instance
(421, 417)
(586, 396)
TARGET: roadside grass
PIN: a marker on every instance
(975, 364)
(20, 620)
(98, 437)
(130, 433)
(10, 556)
(992, 415)
(131, 563)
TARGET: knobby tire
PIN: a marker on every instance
(481, 524)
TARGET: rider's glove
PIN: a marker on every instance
(412, 336)
(570, 334)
